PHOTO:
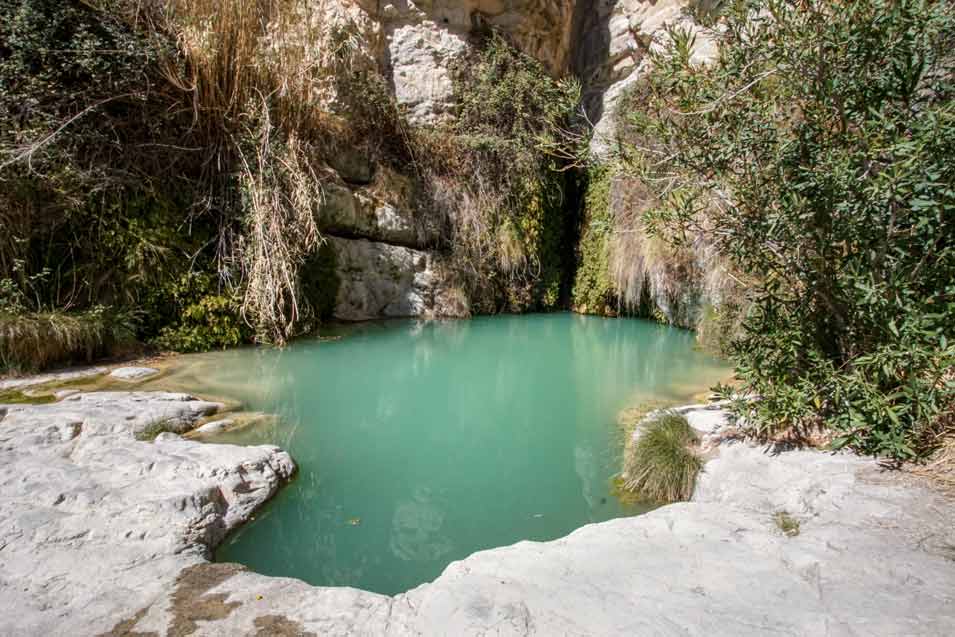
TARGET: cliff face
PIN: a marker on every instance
(385, 256)
(423, 38)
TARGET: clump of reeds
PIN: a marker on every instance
(662, 464)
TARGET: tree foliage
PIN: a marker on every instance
(816, 152)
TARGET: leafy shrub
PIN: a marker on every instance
(662, 464)
(824, 133)
(208, 115)
(207, 318)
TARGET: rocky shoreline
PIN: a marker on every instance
(104, 532)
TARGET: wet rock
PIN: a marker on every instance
(52, 377)
(216, 426)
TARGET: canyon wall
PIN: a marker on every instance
(385, 253)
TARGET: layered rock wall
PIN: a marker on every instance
(387, 261)
(424, 39)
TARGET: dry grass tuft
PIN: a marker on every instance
(32, 342)
(283, 194)
(263, 81)
(940, 467)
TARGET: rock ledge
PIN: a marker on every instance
(103, 534)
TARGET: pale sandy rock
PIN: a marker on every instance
(424, 39)
(613, 55)
(362, 215)
(420, 57)
(383, 210)
(95, 524)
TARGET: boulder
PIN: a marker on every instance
(380, 280)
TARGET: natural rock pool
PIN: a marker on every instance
(419, 443)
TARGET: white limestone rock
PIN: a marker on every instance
(95, 524)
(53, 377)
(625, 31)
(421, 55)
(214, 427)
(425, 38)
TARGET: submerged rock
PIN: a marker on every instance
(216, 426)
(133, 373)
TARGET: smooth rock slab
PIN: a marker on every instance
(52, 377)
(95, 523)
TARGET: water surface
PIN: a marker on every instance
(419, 443)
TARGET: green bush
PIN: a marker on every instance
(816, 153)
(496, 173)
(206, 317)
(662, 464)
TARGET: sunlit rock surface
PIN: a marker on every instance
(133, 374)
(95, 524)
(103, 534)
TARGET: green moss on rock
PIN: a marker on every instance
(593, 291)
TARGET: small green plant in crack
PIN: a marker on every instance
(786, 523)
(153, 429)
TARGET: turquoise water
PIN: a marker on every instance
(419, 443)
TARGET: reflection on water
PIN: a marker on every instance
(416, 534)
(420, 443)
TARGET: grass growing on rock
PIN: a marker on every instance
(787, 524)
(663, 463)
(152, 430)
